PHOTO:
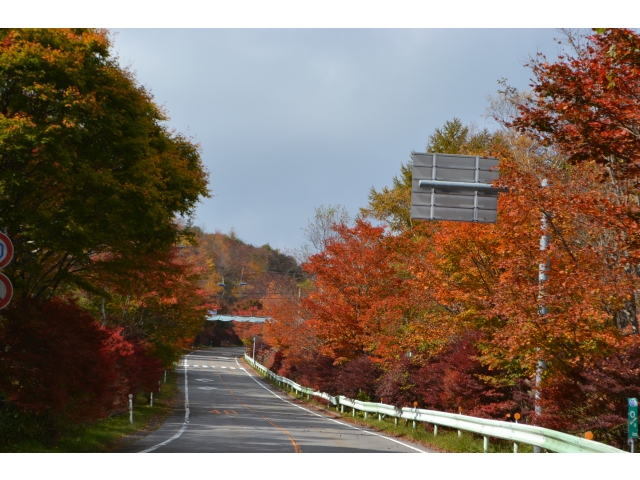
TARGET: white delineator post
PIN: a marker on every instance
(543, 276)
(254, 348)
(130, 408)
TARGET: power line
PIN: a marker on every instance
(296, 270)
(265, 298)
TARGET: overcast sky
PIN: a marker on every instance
(289, 120)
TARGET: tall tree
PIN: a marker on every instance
(356, 306)
(587, 106)
(87, 165)
(586, 103)
(154, 300)
(320, 231)
(454, 137)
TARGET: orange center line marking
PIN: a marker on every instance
(296, 447)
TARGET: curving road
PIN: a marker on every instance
(232, 409)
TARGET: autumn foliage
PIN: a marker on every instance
(96, 194)
(448, 314)
(60, 366)
(444, 314)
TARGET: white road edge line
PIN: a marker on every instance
(186, 414)
(333, 420)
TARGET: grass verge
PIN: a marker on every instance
(447, 440)
(108, 434)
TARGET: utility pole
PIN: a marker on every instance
(241, 284)
(543, 276)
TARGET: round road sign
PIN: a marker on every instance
(6, 290)
(6, 250)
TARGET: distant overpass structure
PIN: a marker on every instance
(236, 318)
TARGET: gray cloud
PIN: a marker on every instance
(291, 119)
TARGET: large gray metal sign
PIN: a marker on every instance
(454, 187)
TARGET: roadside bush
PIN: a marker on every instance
(53, 364)
(594, 398)
(59, 367)
(357, 379)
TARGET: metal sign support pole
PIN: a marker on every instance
(433, 190)
(543, 276)
(475, 194)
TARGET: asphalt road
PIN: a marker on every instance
(232, 409)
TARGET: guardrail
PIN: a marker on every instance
(518, 433)
(282, 381)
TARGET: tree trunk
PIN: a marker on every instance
(625, 318)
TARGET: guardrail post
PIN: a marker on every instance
(395, 422)
(365, 414)
(379, 417)
(341, 408)
(515, 448)
(485, 444)
(353, 412)
(435, 430)
(414, 424)
(151, 400)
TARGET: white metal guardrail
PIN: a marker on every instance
(293, 385)
(518, 433)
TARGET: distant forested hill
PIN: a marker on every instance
(241, 278)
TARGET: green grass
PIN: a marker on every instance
(447, 439)
(105, 434)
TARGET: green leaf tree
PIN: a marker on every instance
(88, 168)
